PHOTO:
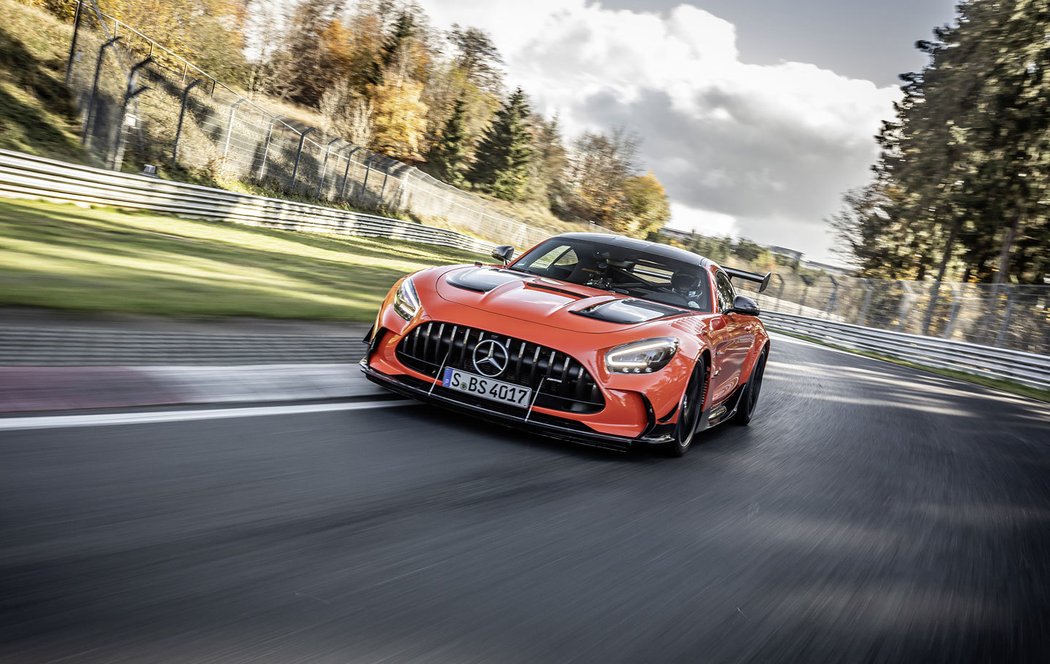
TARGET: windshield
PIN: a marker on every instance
(642, 275)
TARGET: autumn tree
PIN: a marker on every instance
(399, 118)
(600, 166)
(208, 32)
(547, 177)
(646, 208)
(302, 69)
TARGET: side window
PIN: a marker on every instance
(726, 295)
(568, 259)
(554, 256)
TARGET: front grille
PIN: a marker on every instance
(560, 382)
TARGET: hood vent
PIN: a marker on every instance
(539, 284)
(628, 311)
(481, 279)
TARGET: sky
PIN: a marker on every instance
(755, 114)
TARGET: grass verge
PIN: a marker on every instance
(101, 259)
(994, 383)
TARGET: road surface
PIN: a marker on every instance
(870, 513)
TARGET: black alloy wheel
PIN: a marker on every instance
(749, 399)
(689, 411)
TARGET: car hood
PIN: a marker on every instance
(550, 302)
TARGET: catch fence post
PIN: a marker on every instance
(229, 126)
(780, 291)
(73, 42)
(89, 115)
(927, 320)
(324, 165)
(1001, 334)
(949, 329)
(862, 317)
(299, 153)
(906, 303)
(368, 170)
(266, 149)
(346, 172)
(182, 114)
(129, 93)
(382, 187)
(833, 300)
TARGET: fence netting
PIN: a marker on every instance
(1005, 316)
(142, 104)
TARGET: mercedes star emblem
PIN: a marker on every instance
(490, 358)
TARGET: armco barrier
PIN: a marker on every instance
(1026, 368)
(27, 176)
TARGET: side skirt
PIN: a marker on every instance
(723, 411)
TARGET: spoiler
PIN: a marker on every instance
(762, 280)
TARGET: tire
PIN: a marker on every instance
(689, 411)
(753, 389)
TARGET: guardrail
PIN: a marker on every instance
(28, 176)
(1026, 368)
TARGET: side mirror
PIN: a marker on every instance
(503, 253)
(744, 305)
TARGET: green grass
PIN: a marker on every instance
(105, 260)
(994, 383)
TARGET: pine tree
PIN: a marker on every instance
(448, 157)
(505, 151)
(964, 173)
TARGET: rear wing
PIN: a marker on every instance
(762, 280)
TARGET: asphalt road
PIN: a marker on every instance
(869, 514)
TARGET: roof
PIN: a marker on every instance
(662, 250)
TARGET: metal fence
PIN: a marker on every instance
(142, 104)
(1003, 316)
(1030, 369)
(32, 177)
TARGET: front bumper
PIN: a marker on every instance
(540, 423)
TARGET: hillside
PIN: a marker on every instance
(36, 112)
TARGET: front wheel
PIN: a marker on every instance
(689, 410)
(749, 399)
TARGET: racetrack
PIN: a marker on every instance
(870, 513)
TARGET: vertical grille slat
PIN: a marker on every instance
(570, 387)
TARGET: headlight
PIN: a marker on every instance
(641, 356)
(406, 301)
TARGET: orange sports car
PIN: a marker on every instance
(599, 339)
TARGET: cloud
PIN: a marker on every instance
(704, 222)
(770, 147)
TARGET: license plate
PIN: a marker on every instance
(489, 388)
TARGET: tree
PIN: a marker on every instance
(646, 208)
(448, 158)
(399, 119)
(547, 184)
(962, 180)
(600, 166)
(478, 57)
(503, 156)
(208, 32)
(301, 70)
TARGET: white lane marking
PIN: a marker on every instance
(154, 417)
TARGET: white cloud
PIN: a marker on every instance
(705, 222)
(769, 147)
